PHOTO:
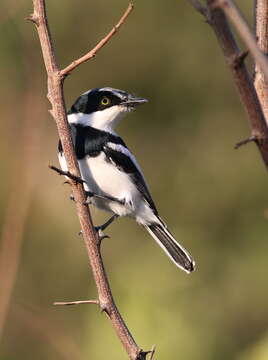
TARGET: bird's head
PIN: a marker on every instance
(102, 108)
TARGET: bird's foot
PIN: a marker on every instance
(101, 235)
(99, 229)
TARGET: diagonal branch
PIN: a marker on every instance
(66, 71)
(233, 13)
(235, 61)
(56, 97)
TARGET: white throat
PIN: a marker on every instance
(105, 120)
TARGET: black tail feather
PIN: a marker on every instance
(173, 249)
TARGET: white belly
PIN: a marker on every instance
(104, 178)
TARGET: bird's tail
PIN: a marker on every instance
(174, 250)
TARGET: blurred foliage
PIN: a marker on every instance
(213, 197)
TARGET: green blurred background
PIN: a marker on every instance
(213, 197)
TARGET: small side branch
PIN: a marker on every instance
(245, 142)
(75, 178)
(92, 53)
(78, 302)
(238, 60)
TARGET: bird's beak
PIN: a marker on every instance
(133, 101)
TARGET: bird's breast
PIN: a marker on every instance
(104, 178)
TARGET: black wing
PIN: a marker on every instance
(126, 164)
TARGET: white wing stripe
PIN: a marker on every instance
(124, 150)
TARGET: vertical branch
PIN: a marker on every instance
(56, 98)
(261, 28)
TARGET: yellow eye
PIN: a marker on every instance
(105, 101)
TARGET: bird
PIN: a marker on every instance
(112, 176)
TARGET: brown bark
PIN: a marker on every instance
(261, 27)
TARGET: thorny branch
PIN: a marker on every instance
(56, 98)
(216, 18)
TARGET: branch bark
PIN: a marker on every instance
(261, 28)
(100, 45)
(231, 10)
(235, 60)
(56, 98)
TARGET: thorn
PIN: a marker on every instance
(51, 113)
(80, 233)
(142, 354)
(33, 18)
(78, 302)
(246, 141)
(104, 308)
(238, 60)
(72, 198)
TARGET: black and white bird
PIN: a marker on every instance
(112, 176)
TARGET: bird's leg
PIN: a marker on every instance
(90, 195)
(107, 223)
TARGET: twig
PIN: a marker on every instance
(261, 28)
(245, 142)
(235, 60)
(92, 53)
(78, 302)
(231, 10)
(75, 178)
(56, 97)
